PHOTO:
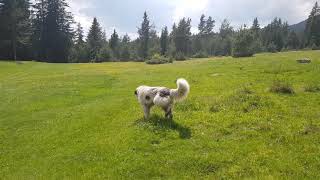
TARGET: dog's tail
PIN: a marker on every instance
(182, 91)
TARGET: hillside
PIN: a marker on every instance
(82, 121)
(298, 28)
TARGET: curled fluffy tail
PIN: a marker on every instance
(182, 91)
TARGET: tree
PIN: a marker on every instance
(243, 43)
(182, 37)
(53, 35)
(312, 31)
(114, 44)
(15, 27)
(79, 52)
(255, 27)
(38, 43)
(144, 37)
(94, 39)
(164, 41)
(79, 35)
(209, 26)
(275, 34)
(224, 47)
(293, 41)
(202, 25)
(256, 30)
(125, 48)
(225, 29)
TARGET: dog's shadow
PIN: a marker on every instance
(163, 124)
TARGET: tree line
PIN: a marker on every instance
(44, 31)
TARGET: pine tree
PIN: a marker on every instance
(275, 34)
(243, 43)
(15, 27)
(38, 43)
(293, 41)
(209, 25)
(255, 27)
(225, 29)
(79, 35)
(202, 25)
(94, 39)
(164, 41)
(225, 38)
(114, 44)
(312, 31)
(182, 37)
(53, 35)
(144, 37)
(125, 50)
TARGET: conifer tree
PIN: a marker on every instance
(14, 27)
(164, 41)
(94, 39)
(209, 25)
(202, 25)
(144, 37)
(79, 35)
(312, 31)
(114, 44)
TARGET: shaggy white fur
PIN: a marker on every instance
(162, 97)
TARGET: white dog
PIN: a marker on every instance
(162, 97)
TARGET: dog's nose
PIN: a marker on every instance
(135, 92)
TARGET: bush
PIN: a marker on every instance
(200, 54)
(272, 48)
(104, 55)
(79, 54)
(243, 44)
(158, 59)
(281, 87)
(312, 88)
(179, 56)
(315, 47)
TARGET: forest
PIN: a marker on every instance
(45, 31)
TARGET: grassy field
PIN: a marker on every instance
(69, 121)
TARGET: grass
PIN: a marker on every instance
(282, 87)
(70, 121)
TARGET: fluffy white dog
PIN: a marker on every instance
(162, 97)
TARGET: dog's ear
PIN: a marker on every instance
(136, 92)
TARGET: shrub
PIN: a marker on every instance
(272, 47)
(315, 47)
(200, 54)
(158, 59)
(179, 56)
(104, 54)
(312, 88)
(243, 44)
(281, 87)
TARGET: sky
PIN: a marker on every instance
(126, 15)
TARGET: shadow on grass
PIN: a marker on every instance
(163, 124)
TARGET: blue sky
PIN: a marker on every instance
(126, 15)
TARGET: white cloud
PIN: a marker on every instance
(187, 8)
(77, 7)
(126, 15)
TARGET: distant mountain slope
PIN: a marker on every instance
(298, 28)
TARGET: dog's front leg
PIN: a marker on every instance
(168, 112)
(146, 110)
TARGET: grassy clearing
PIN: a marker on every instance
(82, 120)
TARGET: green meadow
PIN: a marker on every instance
(71, 121)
